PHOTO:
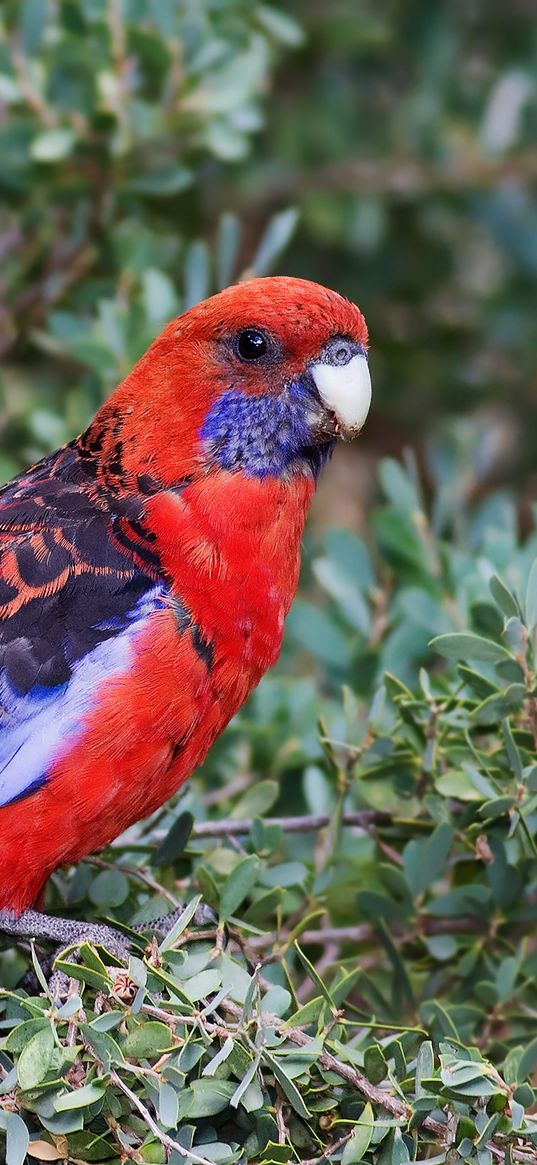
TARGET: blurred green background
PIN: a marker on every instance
(146, 147)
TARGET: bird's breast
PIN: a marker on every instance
(231, 549)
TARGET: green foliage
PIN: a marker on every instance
(405, 132)
(375, 1000)
(371, 854)
(119, 119)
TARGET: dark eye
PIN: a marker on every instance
(251, 344)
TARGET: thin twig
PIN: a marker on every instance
(364, 818)
(339, 934)
(362, 932)
(164, 1139)
(329, 1150)
(139, 873)
(399, 177)
(280, 1120)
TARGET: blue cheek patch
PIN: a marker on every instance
(264, 436)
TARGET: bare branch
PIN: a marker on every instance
(363, 818)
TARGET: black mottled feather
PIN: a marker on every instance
(74, 561)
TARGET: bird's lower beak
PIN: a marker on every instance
(345, 389)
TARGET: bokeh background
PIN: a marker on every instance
(147, 146)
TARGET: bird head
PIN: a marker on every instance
(260, 379)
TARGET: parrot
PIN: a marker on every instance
(148, 565)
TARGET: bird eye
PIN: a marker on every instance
(251, 344)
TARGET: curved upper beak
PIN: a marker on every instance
(345, 389)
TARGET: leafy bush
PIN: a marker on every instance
(376, 997)
(117, 120)
(405, 134)
(372, 855)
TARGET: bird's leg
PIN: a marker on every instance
(66, 932)
(63, 931)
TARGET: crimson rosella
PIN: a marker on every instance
(146, 568)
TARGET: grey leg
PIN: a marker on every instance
(66, 931)
(63, 931)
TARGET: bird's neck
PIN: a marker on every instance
(231, 546)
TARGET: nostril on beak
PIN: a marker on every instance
(342, 354)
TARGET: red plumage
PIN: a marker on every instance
(211, 550)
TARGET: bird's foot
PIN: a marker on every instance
(68, 933)
(65, 932)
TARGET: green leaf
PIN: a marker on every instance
(360, 1139)
(375, 1064)
(109, 888)
(318, 634)
(197, 273)
(81, 1097)
(531, 598)
(314, 976)
(503, 597)
(399, 487)
(288, 1088)
(171, 848)
(238, 885)
(83, 974)
(227, 246)
(35, 1059)
(277, 1000)
(456, 784)
(512, 751)
(203, 984)
(168, 1105)
(17, 1137)
(245, 1083)
(89, 1146)
(280, 25)
(424, 1066)
(146, 1040)
(104, 1046)
(160, 297)
(257, 800)
(181, 925)
(399, 1152)
(52, 145)
(162, 183)
(220, 1057)
(465, 645)
(424, 861)
(275, 239)
(20, 1036)
(499, 705)
(336, 584)
(209, 1097)
(478, 683)
(528, 1061)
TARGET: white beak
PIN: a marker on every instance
(346, 389)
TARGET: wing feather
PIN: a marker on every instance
(73, 597)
